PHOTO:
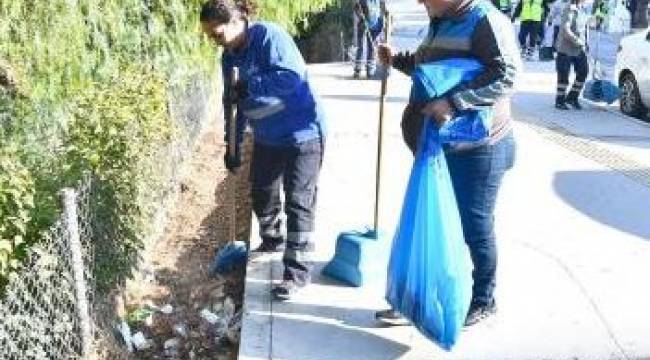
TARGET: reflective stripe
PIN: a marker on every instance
(447, 43)
(265, 111)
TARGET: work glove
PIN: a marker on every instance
(232, 163)
(404, 61)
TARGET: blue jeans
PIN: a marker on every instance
(364, 40)
(476, 176)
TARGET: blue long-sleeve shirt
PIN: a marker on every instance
(281, 107)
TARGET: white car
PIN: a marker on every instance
(633, 73)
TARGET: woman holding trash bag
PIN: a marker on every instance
(469, 29)
(571, 49)
(276, 99)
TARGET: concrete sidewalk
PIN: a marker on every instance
(572, 225)
(574, 241)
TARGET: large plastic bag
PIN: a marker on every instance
(438, 79)
(429, 272)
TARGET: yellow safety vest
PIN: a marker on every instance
(531, 10)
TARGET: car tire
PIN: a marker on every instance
(630, 102)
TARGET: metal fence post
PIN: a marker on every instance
(69, 202)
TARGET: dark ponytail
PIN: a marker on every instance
(222, 11)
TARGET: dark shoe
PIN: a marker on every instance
(560, 103)
(269, 246)
(285, 290)
(574, 103)
(561, 106)
(391, 317)
(357, 74)
(478, 312)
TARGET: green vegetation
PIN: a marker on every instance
(84, 87)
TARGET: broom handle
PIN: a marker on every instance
(232, 150)
(380, 135)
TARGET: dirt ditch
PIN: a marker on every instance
(178, 310)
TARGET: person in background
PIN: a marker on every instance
(371, 19)
(277, 101)
(469, 29)
(555, 18)
(531, 14)
(599, 10)
(572, 52)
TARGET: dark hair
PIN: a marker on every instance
(222, 11)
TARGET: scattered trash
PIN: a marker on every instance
(234, 330)
(167, 309)
(138, 316)
(148, 321)
(227, 258)
(171, 347)
(228, 309)
(140, 342)
(217, 307)
(125, 331)
(217, 293)
(209, 316)
(181, 330)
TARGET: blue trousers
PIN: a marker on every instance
(476, 176)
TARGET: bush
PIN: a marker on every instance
(16, 207)
(84, 87)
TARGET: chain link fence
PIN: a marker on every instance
(53, 308)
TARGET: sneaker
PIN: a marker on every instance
(561, 105)
(285, 290)
(270, 247)
(574, 103)
(391, 317)
(478, 312)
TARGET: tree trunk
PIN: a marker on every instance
(640, 16)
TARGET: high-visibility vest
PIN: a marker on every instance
(531, 10)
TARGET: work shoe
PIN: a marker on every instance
(270, 245)
(560, 103)
(574, 103)
(391, 317)
(478, 312)
(285, 290)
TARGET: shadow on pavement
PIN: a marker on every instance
(598, 195)
(343, 342)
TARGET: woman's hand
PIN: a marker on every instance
(440, 110)
(385, 54)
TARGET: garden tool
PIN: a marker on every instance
(234, 252)
(360, 255)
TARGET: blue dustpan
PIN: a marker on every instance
(360, 258)
(601, 91)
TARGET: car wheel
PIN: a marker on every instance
(631, 98)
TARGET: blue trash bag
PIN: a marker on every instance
(601, 91)
(429, 271)
(437, 79)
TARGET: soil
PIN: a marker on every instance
(203, 221)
